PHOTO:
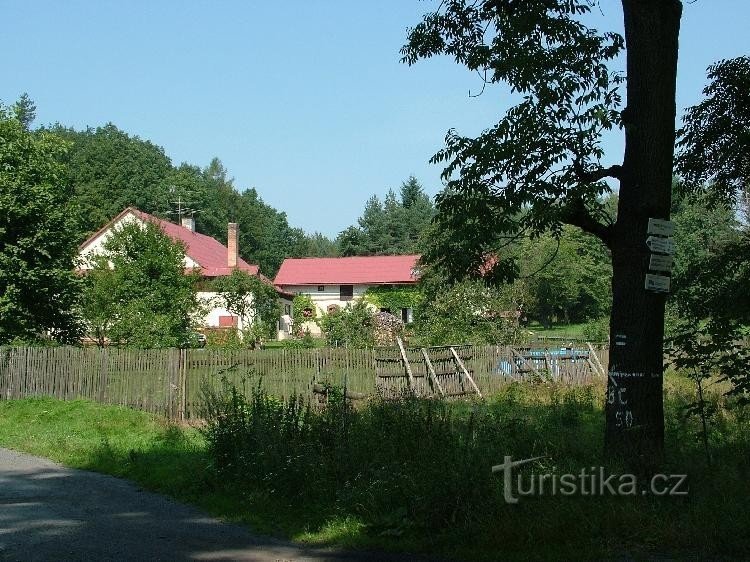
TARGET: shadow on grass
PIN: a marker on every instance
(438, 496)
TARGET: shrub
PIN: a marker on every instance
(351, 326)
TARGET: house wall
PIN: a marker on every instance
(328, 296)
(96, 246)
(213, 311)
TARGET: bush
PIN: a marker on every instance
(351, 326)
(597, 330)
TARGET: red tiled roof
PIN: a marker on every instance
(348, 271)
(208, 252)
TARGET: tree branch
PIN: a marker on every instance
(575, 213)
(590, 176)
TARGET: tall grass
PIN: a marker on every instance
(422, 468)
(415, 475)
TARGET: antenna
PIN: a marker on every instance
(182, 206)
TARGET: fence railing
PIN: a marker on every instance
(168, 381)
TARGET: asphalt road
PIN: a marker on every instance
(48, 512)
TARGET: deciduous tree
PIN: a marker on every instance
(38, 238)
(542, 164)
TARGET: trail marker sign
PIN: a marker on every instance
(660, 263)
(660, 227)
(657, 283)
(660, 245)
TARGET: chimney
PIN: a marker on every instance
(232, 246)
(189, 223)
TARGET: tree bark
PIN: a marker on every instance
(634, 402)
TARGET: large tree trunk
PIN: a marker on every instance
(634, 409)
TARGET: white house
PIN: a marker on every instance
(335, 282)
(203, 254)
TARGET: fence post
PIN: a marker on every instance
(183, 383)
(103, 367)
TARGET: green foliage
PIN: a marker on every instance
(111, 170)
(392, 475)
(256, 303)
(393, 298)
(567, 279)
(714, 141)
(419, 468)
(303, 310)
(597, 330)
(38, 237)
(468, 312)
(144, 299)
(391, 227)
(710, 307)
(532, 171)
(351, 326)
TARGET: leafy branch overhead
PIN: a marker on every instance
(539, 166)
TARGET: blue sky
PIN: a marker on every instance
(304, 100)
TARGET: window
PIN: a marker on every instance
(288, 309)
(346, 292)
(321, 288)
(406, 315)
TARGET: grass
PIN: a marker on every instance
(397, 486)
(557, 330)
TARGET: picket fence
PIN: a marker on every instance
(169, 382)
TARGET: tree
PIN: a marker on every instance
(714, 141)
(256, 303)
(567, 279)
(469, 312)
(137, 293)
(111, 170)
(393, 226)
(540, 166)
(38, 238)
(714, 165)
(25, 111)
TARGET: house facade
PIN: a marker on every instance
(203, 255)
(336, 282)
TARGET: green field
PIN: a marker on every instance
(565, 424)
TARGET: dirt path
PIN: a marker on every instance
(49, 512)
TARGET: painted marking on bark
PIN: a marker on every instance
(624, 419)
(624, 375)
(621, 339)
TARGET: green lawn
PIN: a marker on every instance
(557, 330)
(531, 419)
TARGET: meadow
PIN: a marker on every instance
(414, 475)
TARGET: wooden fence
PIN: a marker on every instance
(169, 381)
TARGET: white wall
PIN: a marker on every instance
(96, 246)
(330, 295)
(211, 301)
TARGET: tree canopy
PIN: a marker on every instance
(393, 226)
(38, 237)
(542, 165)
(137, 293)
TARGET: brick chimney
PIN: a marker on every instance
(189, 223)
(232, 245)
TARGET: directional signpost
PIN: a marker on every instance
(660, 263)
(660, 245)
(657, 283)
(660, 227)
(662, 248)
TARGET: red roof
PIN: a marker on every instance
(354, 270)
(208, 252)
